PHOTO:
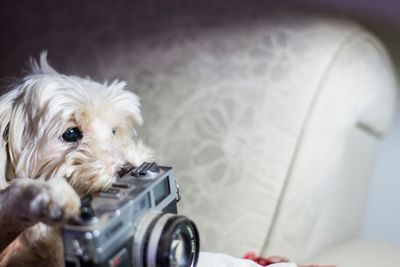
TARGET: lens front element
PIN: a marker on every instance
(182, 244)
(166, 240)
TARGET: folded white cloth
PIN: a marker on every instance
(207, 259)
(283, 264)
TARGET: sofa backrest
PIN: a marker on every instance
(263, 123)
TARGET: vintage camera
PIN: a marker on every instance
(133, 224)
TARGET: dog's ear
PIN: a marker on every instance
(127, 101)
(6, 106)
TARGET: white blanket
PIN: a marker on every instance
(207, 259)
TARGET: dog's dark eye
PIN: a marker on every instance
(72, 134)
(114, 130)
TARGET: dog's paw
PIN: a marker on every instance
(40, 201)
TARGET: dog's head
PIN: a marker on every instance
(56, 125)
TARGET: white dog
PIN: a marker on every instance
(60, 137)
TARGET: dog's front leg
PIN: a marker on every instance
(26, 202)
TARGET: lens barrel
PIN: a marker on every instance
(165, 240)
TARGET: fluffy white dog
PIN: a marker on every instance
(60, 137)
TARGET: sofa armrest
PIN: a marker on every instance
(324, 199)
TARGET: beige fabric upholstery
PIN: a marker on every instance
(230, 107)
(324, 200)
(361, 253)
(271, 127)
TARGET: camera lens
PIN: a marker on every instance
(179, 250)
(169, 240)
(178, 245)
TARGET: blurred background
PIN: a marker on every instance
(28, 27)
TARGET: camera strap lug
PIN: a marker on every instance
(178, 192)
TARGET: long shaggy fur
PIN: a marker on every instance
(33, 155)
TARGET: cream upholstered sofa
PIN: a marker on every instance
(272, 129)
(271, 125)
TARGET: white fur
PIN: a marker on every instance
(37, 111)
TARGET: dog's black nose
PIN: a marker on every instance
(125, 169)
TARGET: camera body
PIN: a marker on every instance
(133, 223)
